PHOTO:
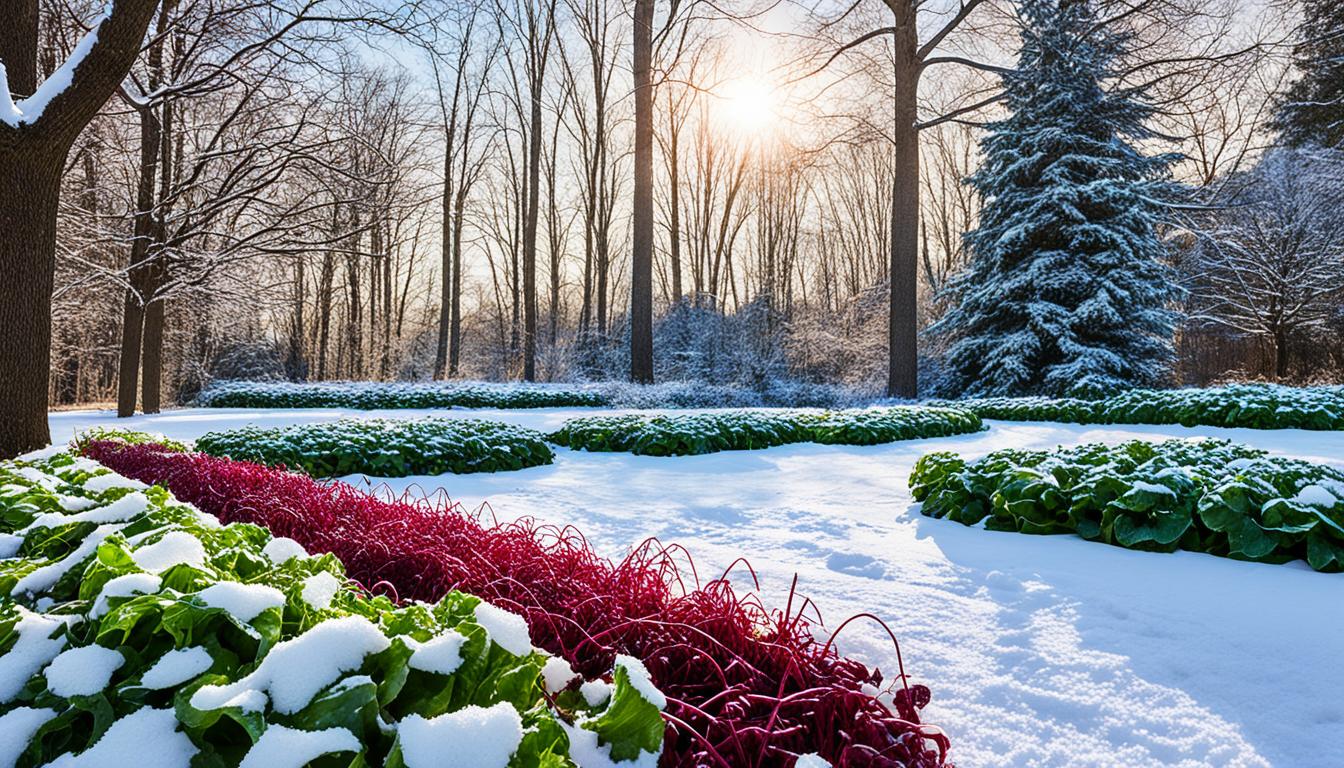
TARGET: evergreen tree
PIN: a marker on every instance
(1311, 111)
(1066, 292)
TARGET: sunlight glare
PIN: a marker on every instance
(749, 106)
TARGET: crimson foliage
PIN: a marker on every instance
(746, 686)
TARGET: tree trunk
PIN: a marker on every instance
(1280, 355)
(152, 357)
(902, 332)
(641, 268)
(455, 332)
(446, 266)
(530, 234)
(27, 261)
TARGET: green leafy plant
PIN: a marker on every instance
(1202, 495)
(692, 434)
(136, 622)
(385, 447)
(1257, 406)
(366, 395)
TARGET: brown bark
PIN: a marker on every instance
(903, 355)
(641, 269)
(530, 232)
(152, 357)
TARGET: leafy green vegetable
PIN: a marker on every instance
(242, 639)
(1204, 495)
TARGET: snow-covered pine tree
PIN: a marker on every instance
(1311, 111)
(1066, 292)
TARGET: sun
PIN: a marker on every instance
(748, 106)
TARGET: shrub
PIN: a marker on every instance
(1258, 406)
(690, 434)
(365, 395)
(133, 625)
(745, 686)
(385, 448)
(1202, 495)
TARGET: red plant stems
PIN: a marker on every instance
(745, 686)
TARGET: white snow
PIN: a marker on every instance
(45, 578)
(55, 449)
(282, 548)
(175, 548)
(1315, 496)
(28, 111)
(109, 480)
(441, 654)
(481, 737)
(127, 508)
(76, 503)
(811, 760)
(556, 674)
(176, 667)
(82, 671)
(125, 585)
(320, 589)
(17, 728)
(595, 692)
(507, 629)
(296, 669)
(281, 747)
(1039, 650)
(586, 752)
(639, 680)
(244, 602)
(125, 744)
(10, 544)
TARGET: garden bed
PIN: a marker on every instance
(1203, 495)
(693, 434)
(136, 628)
(1257, 406)
(384, 447)
(369, 396)
(745, 685)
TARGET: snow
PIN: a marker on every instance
(296, 669)
(320, 589)
(557, 674)
(82, 671)
(176, 667)
(45, 577)
(281, 549)
(108, 481)
(126, 585)
(175, 548)
(281, 747)
(482, 737)
(595, 692)
(639, 679)
(507, 629)
(586, 752)
(124, 509)
(17, 728)
(811, 760)
(41, 454)
(124, 744)
(1039, 650)
(244, 602)
(1315, 496)
(28, 111)
(441, 655)
(9, 545)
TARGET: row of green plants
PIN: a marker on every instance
(693, 434)
(385, 448)
(1257, 406)
(1209, 496)
(133, 627)
(375, 395)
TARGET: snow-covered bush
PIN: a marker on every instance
(377, 395)
(682, 435)
(1258, 406)
(1203, 495)
(385, 447)
(137, 630)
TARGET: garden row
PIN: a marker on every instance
(394, 395)
(1257, 406)
(743, 685)
(431, 446)
(693, 434)
(135, 630)
(1202, 495)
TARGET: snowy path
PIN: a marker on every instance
(1039, 650)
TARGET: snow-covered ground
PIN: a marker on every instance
(1039, 650)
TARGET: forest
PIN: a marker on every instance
(316, 191)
